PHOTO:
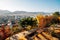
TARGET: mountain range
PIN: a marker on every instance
(21, 13)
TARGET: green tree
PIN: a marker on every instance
(55, 17)
(24, 22)
(56, 14)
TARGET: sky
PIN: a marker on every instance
(30, 5)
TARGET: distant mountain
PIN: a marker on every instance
(21, 13)
(4, 11)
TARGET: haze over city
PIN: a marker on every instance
(30, 5)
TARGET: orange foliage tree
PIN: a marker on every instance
(41, 20)
(45, 21)
(4, 32)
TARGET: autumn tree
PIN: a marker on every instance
(41, 21)
(46, 21)
(5, 32)
(8, 31)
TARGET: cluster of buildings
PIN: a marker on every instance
(9, 20)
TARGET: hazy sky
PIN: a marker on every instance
(30, 5)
